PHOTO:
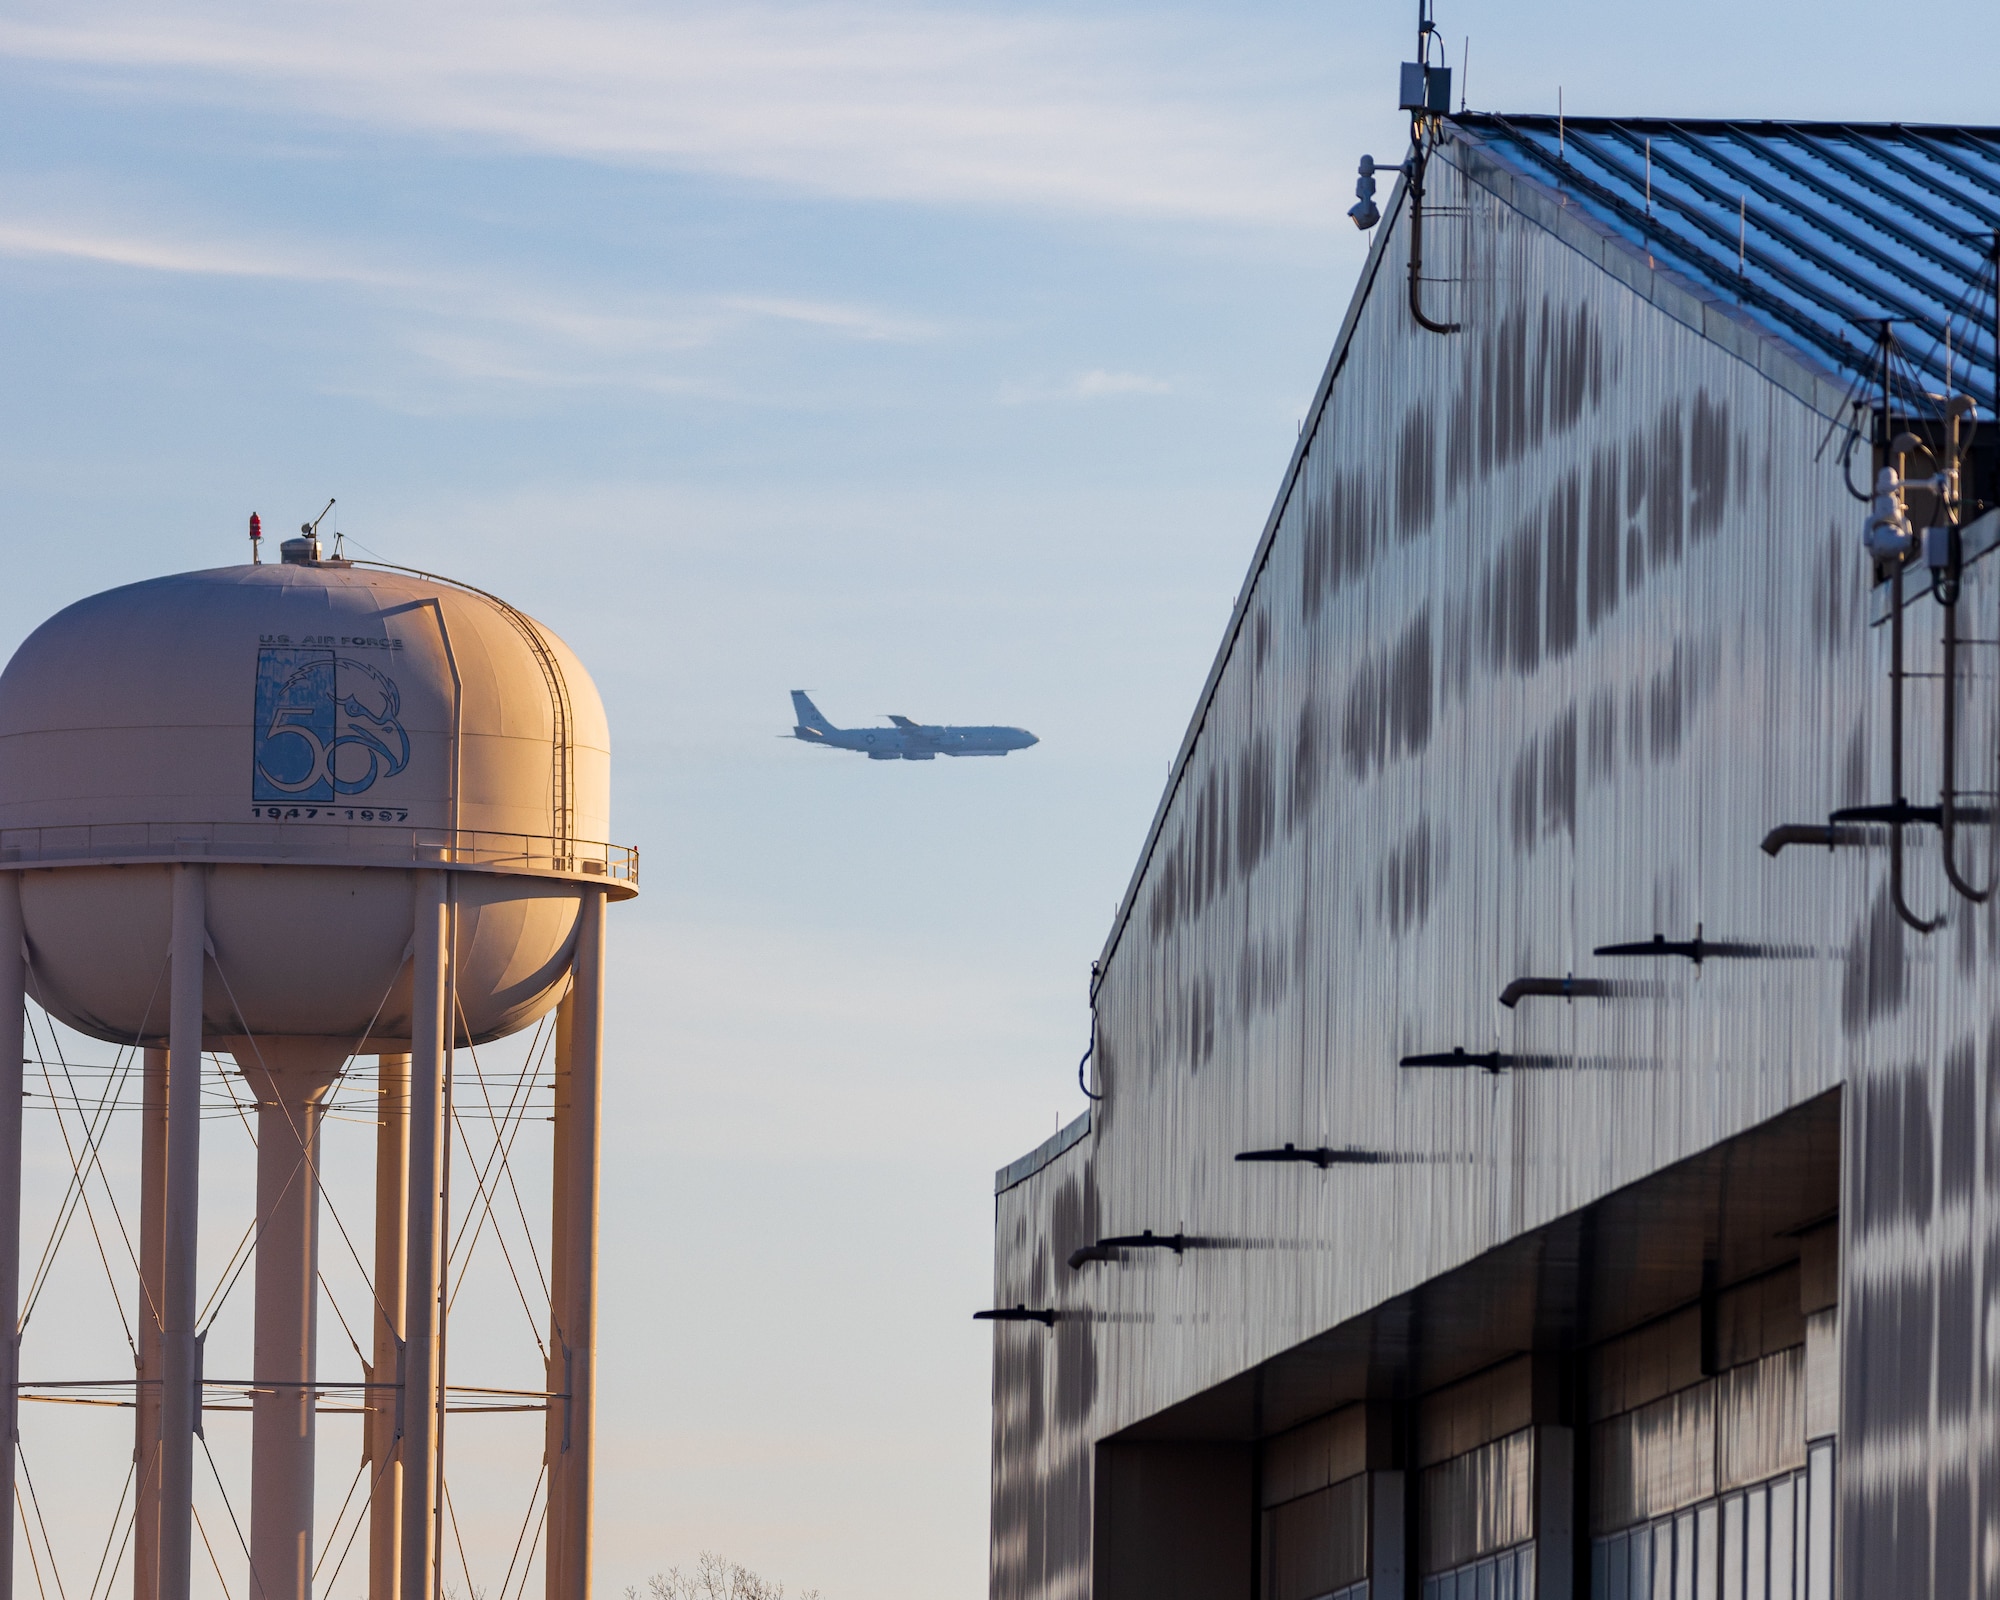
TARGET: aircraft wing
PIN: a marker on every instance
(905, 723)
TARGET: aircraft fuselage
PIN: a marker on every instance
(905, 740)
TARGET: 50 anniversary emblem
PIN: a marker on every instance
(326, 726)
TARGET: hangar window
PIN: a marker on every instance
(1316, 1546)
(1771, 1541)
(1510, 1575)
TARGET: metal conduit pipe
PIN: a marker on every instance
(1948, 793)
(1947, 587)
(1417, 163)
(1896, 675)
(1890, 448)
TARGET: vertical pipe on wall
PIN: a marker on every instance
(180, 1401)
(384, 1447)
(418, 1398)
(578, 1116)
(13, 1039)
(152, 1305)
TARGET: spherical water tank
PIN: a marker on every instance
(318, 732)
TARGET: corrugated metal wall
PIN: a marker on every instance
(1560, 615)
(1045, 1383)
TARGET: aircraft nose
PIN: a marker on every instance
(1028, 739)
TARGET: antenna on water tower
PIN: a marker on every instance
(305, 548)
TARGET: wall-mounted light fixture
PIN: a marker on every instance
(1696, 949)
(1107, 1249)
(1830, 835)
(1485, 1060)
(1896, 814)
(1700, 949)
(1323, 1156)
(1569, 988)
(1016, 1314)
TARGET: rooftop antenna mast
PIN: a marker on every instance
(1427, 97)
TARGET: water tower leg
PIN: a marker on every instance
(152, 1303)
(180, 1400)
(392, 1200)
(290, 1078)
(421, 1280)
(579, 1063)
(13, 1040)
(556, 1424)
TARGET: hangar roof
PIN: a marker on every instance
(1817, 229)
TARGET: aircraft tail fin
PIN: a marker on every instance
(809, 715)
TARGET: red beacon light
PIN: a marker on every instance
(256, 540)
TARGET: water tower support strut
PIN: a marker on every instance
(423, 1275)
(289, 1077)
(179, 1401)
(573, 1351)
(152, 1301)
(13, 1022)
(392, 1191)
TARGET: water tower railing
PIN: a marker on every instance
(312, 840)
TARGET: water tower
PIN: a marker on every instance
(298, 813)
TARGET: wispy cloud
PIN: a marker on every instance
(890, 101)
(478, 326)
(861, 322)
(208, 258)
(1098, 383)
(1089, 385)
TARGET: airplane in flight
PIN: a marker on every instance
(906, 740)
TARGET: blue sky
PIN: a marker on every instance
(936, 359)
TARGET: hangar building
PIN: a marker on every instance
(1624, 1212)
